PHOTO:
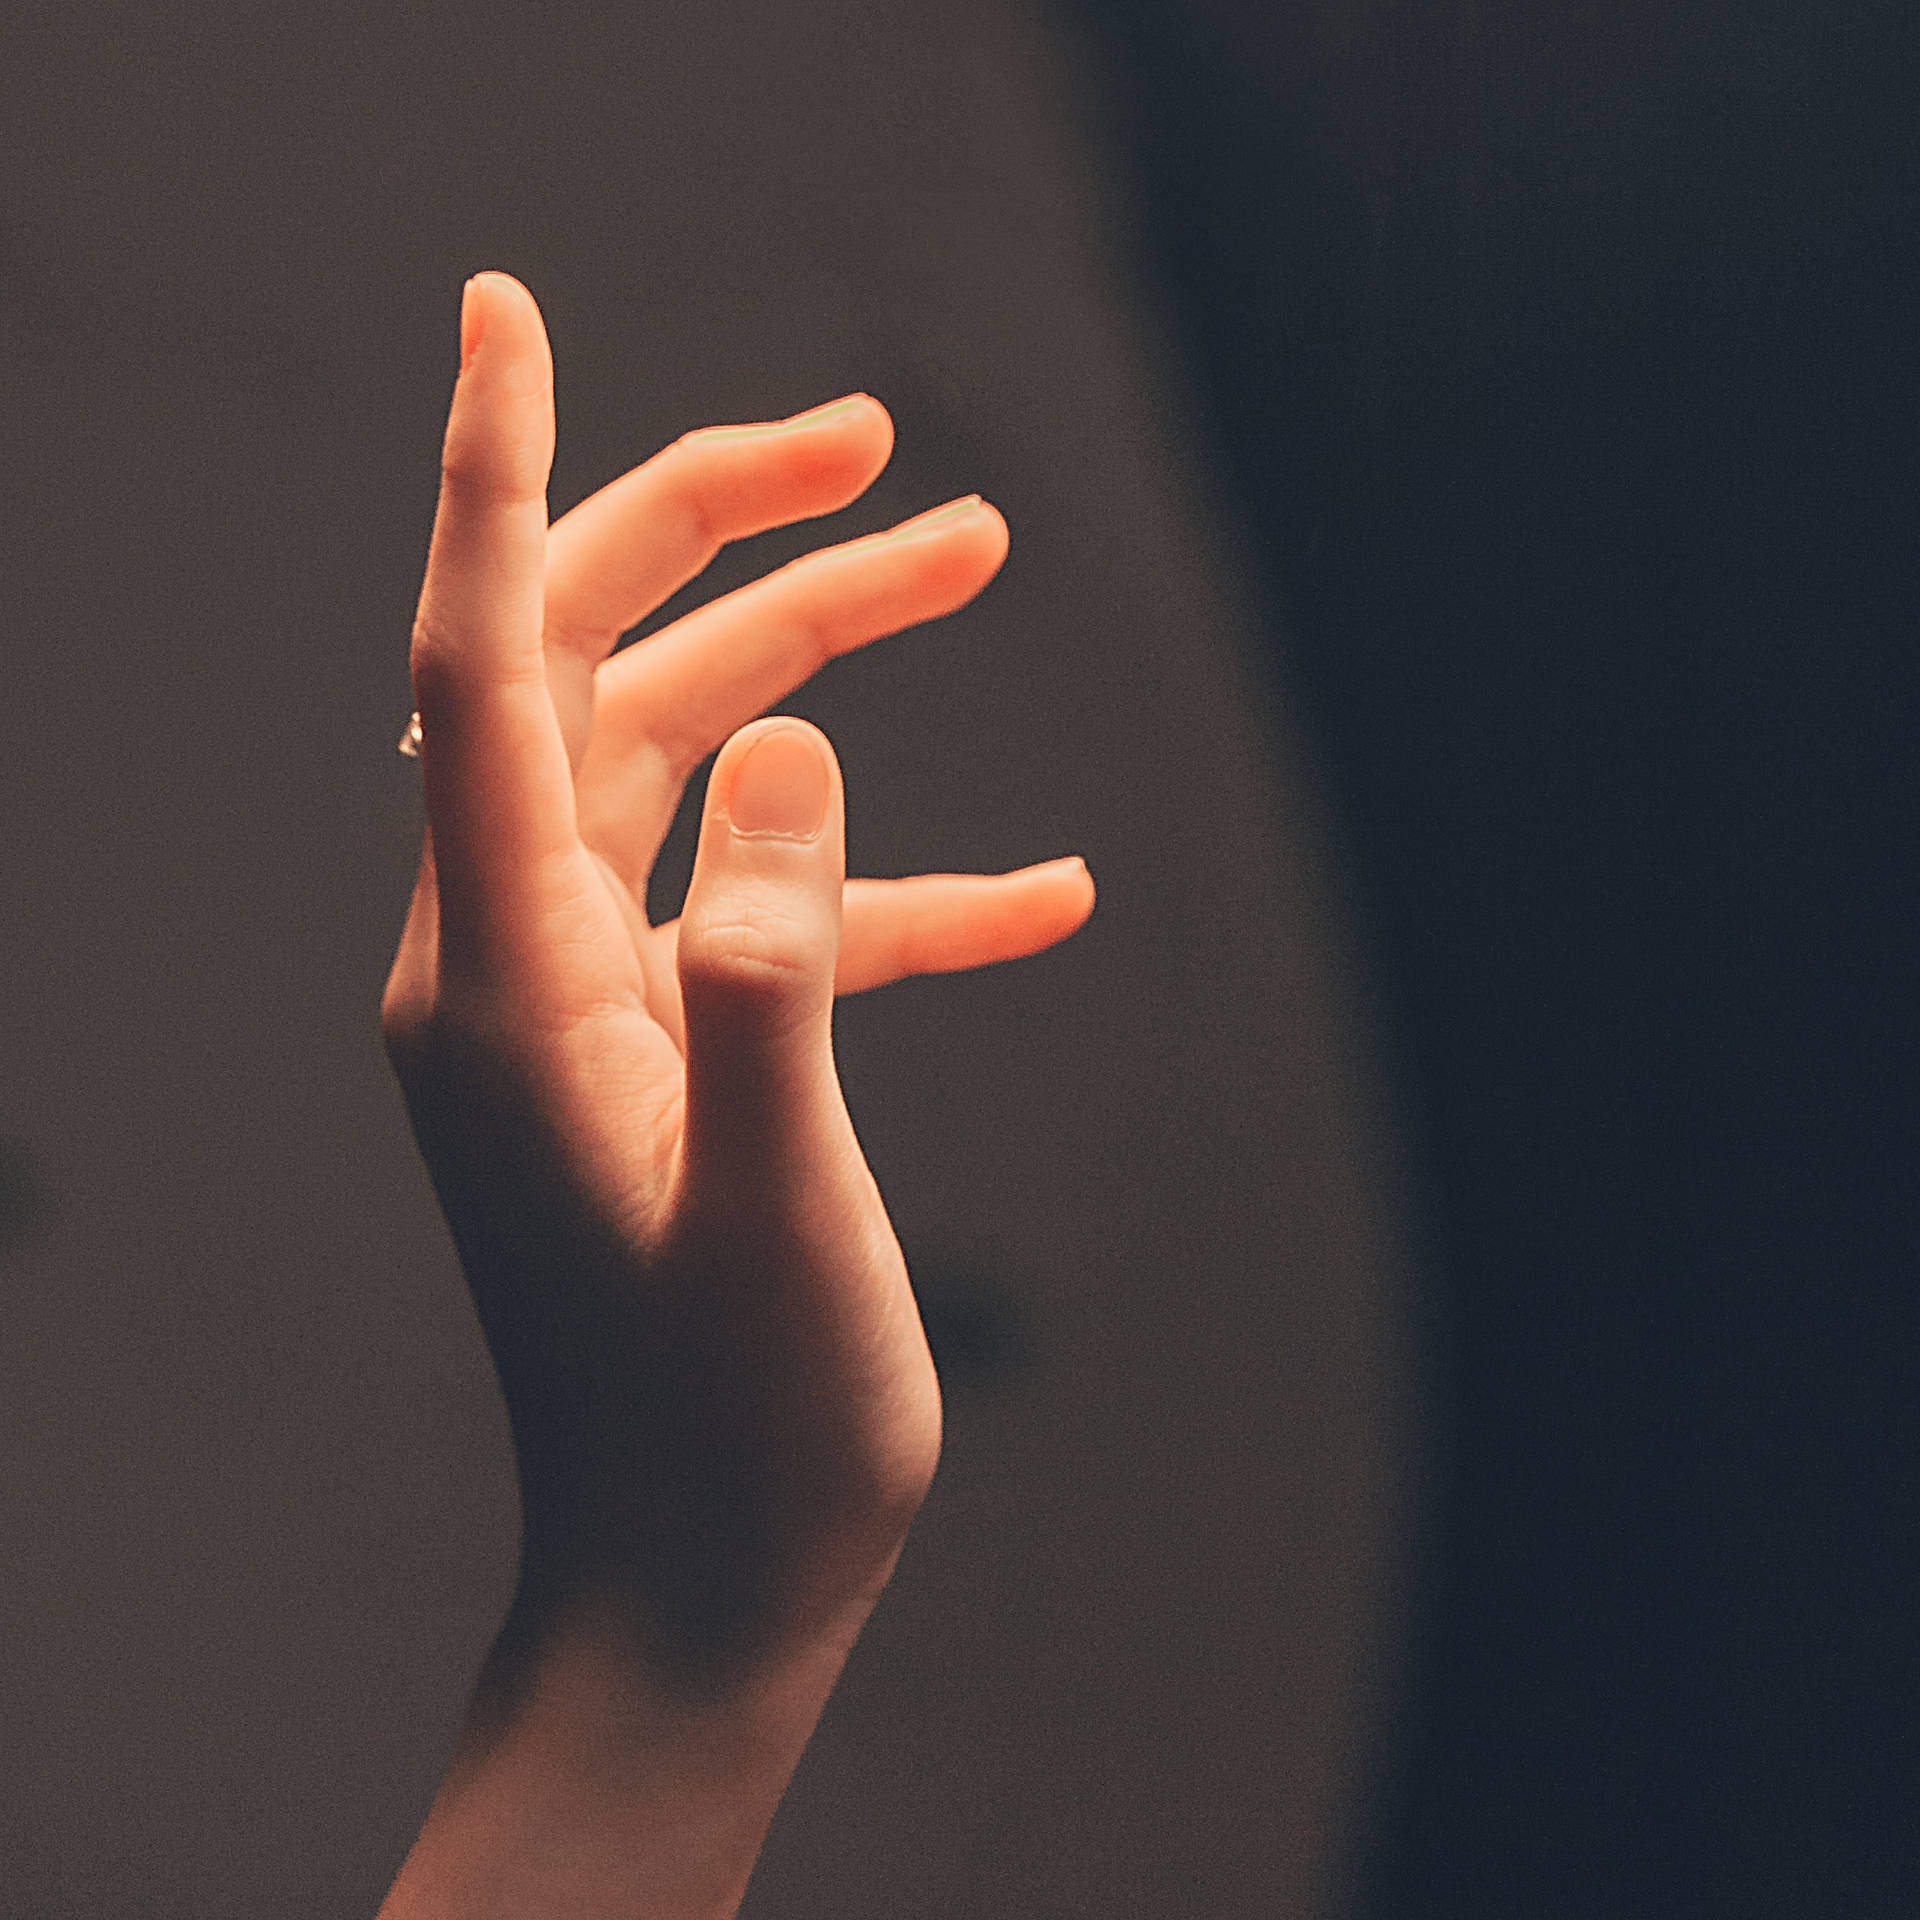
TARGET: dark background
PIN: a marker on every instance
(1561, 365)
(1476, 437)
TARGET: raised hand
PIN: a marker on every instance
(723, 1410)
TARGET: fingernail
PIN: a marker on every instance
(781, 787)
(472, 323)
(831, 411)
(937, 520)
(757, 428)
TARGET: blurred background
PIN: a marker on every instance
(1425, 1280)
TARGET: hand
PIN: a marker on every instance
(723, 1410)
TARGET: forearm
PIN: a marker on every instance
(589, 1786)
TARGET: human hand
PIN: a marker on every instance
(722, 1406)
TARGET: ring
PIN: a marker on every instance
(410, 740)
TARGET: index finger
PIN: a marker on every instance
(499, 793)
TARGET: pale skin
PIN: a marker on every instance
(723, 1410)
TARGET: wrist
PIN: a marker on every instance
(592, 1779)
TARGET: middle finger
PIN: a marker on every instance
(691, 685)
(625, 549)
(661, 707)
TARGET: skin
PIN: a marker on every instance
(723, 1410)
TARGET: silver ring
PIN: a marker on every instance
(410, 740)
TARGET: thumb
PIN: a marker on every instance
(759, 942)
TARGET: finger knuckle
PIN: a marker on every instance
(680, 498)
(745, 970)
(484, 471)
(742, 959)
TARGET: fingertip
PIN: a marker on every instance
(496, 284)
(866, 430)
(978, 543)
(780, 784)
(1002, 533)
(741, 740)
(500, 321)
(862, 433)
(882, 424)
(801, 747)
(878, 424)
(857, 406)
(1053, 905)
(1071, 887)
(970, 532)
(499, 440)
(473, 321)
(970, 527)
(809, 463)
(1077, 871)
